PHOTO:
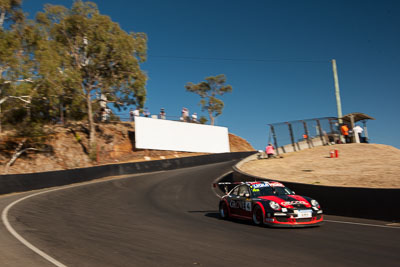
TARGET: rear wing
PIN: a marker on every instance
(226, 186)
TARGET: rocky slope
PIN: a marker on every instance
(66, 148)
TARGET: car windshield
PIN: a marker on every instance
(271, 191)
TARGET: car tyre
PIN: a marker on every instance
(258, 215)
(223, 210)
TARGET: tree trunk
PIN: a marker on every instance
(62, 113)
(2, 17)
(211, 118)
(0, 118)
(1, 102)
(92, 136)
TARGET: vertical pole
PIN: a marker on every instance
(0, 117)
(274, 136)
(291, 136)
(61, 113)
(307, 135)
(320, 132)
(331, 126)
(332, 134)
(353, 137)
(337, 92)
(365, 130)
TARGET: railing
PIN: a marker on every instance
(126, 118)
(301, 134)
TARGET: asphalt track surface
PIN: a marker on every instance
(171, 219)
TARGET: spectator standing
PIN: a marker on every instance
(194, 117)
(270, 151)
(146, 112)
(162, 114)
(131, 114)
(185, 114)
(345, 132)
(136, 113)
(357, 132)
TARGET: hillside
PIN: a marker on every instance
(66, 146)
(358, 165)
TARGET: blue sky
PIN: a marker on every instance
(295, 41)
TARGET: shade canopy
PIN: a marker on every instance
(357, 116)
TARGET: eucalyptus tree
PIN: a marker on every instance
(208, 90)
(12, 53)
(94, 55)
(10, 11)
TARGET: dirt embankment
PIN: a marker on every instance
(358, 165)
(68, 147)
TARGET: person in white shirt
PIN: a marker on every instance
(194, 117)
(136, 113)
(162, 114)
(357, 132)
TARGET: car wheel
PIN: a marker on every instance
(223, 210)
(258, 215)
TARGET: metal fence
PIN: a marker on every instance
(298, 135)
(124, 117)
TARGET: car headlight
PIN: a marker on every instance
(314, 203)
(274, 205)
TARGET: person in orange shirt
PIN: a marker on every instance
(345, 132)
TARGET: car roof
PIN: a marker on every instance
(265, 183)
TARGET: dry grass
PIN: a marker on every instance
(358, 165)
(115, 144)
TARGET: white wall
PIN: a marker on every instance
(180, 136)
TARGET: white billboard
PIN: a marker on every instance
(180, 136)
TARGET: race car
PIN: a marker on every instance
(269, 203)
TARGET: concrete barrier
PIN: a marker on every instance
(30, 181)
(369, 203)
(301, 145)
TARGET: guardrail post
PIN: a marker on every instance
(274, 136)
(306, 133)
(320, 132)
(291, 136)
(331, 126)
(333, 132)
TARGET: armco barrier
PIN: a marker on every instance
(369, 203)
(24, 182)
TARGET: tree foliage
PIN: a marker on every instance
(15, 83)
(62, 62)
(10, 12)
(208, 90)
(91, 55)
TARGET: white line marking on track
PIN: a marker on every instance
(364, 224)
(23, 240)
(32, 247)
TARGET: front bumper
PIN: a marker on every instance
(290, 220)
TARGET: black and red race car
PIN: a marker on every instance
(269, 203)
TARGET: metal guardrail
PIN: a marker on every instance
(301, 134)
